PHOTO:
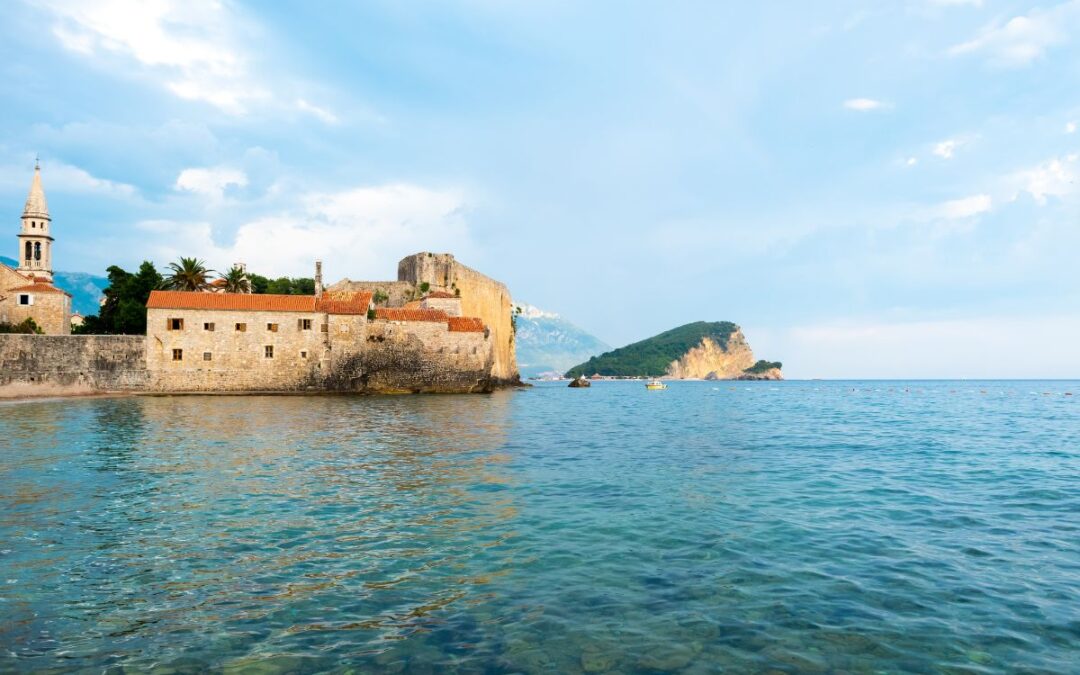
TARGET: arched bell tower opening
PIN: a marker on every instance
(35, 243)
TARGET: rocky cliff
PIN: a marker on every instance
(713, 361)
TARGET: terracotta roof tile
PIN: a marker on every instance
(402, 314)
(414, 304)
(39, 287)
(465, 324)
(251, 302)
(344, 302)
(442, 295)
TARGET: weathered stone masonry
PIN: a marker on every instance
(72, 364)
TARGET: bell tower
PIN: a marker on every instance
(35, 243)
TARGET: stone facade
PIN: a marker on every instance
(56, 365)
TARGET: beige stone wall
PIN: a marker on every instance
(50, 311)
(481, 297)
(238, 360)
(398, 292)
(452, 306)
(423, 356)
(57, 365)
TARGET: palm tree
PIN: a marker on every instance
(236, 280)
(189, 274)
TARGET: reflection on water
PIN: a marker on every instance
(795, 527)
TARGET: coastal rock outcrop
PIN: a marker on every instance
(769, 374)
(711, 360)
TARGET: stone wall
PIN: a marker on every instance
(238, 359)
(418, 357)
(481, 297)
(398, 292)
(57, 365)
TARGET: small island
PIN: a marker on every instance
(702, 350)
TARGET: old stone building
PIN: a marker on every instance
(331, 341)
(27, 291)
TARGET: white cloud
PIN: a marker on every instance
(360, 233)
(864, 104)
(965, 208)
(57, 176)
(946, 149)
(1023, 39)
(321, 113)
(912, 161)
(1070, 127)
(190, 44)
(211, 182)
(1053, 178)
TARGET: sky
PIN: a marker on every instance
(882, 189)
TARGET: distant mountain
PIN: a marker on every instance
(546, 342)
(716, 350)
(85, 289)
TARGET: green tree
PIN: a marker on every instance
(188, 274)
(27, 327)
(236, 280)
(123, 311)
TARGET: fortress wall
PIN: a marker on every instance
(481, 296)
(418, 357)
(399, 292)
(56, 365)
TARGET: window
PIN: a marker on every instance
(206, 356)
(208, 326)
(325, 328)
(178, 355)
(303, 355)
(272, 327)
(303, 324)
(241, 327)
(26, 299)
(29, 251)
(176, 324)
(37, 250)
(268, 351)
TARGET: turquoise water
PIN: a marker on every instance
(747, 527)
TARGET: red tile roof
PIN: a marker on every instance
(39, 287)
(414, 304)
(344, 302)
(465, 324)
(252, 302)
(402, 314)
(442, 294)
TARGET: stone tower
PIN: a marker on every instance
(35, 243)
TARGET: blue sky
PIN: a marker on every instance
(880, 189)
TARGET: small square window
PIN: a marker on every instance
(268, 351)
(325, 328)
(207, 356)
(176, 324)
(209, 327)
(303, 355)
(178, 355)
(303, 324)
(26, 299)
(241, 327)
(272, 327)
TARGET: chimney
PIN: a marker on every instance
(318, 279)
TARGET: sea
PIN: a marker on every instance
(772, 527)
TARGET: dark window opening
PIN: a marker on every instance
(176, 324)
(268, 351)
(241, 327)
(209, 327)
(206, 356)
(178, 355)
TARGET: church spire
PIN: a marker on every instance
(36, 206)
(35, 242)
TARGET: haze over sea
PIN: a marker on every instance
(792, 526)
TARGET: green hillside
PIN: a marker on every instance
(651, 357)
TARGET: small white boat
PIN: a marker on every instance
(655, 384)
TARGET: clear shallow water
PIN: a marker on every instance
(790, 527)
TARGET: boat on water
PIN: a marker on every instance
(655, 384)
